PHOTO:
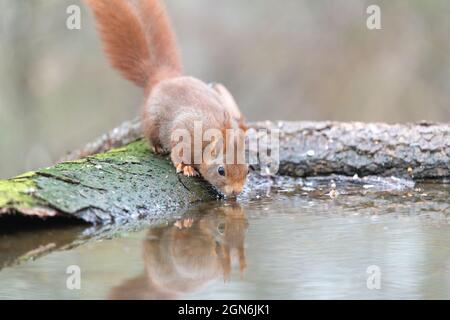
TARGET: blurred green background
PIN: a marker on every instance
(290, 59)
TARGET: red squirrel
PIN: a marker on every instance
(139, 42)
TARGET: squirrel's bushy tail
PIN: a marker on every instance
(137, 39)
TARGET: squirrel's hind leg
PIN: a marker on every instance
(159, 149)
(151, 131)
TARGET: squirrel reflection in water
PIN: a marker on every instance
(185, 256)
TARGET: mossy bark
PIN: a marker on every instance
(123, 184)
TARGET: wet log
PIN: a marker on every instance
(117, 178)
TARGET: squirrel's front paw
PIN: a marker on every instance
(188, 171)
(186, 223)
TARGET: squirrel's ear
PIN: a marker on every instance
(227, 100)
(242, 125)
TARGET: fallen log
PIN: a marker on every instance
(117, 178)
(416, 150)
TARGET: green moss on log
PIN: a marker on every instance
(17, 192)
(122, 184)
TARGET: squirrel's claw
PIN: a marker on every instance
(185, 223)
(188, 171)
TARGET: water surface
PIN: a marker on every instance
(308, 240)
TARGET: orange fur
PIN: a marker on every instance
(137, 40)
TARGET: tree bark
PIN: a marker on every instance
(419, 151)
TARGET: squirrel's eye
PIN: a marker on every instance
(221, 171)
